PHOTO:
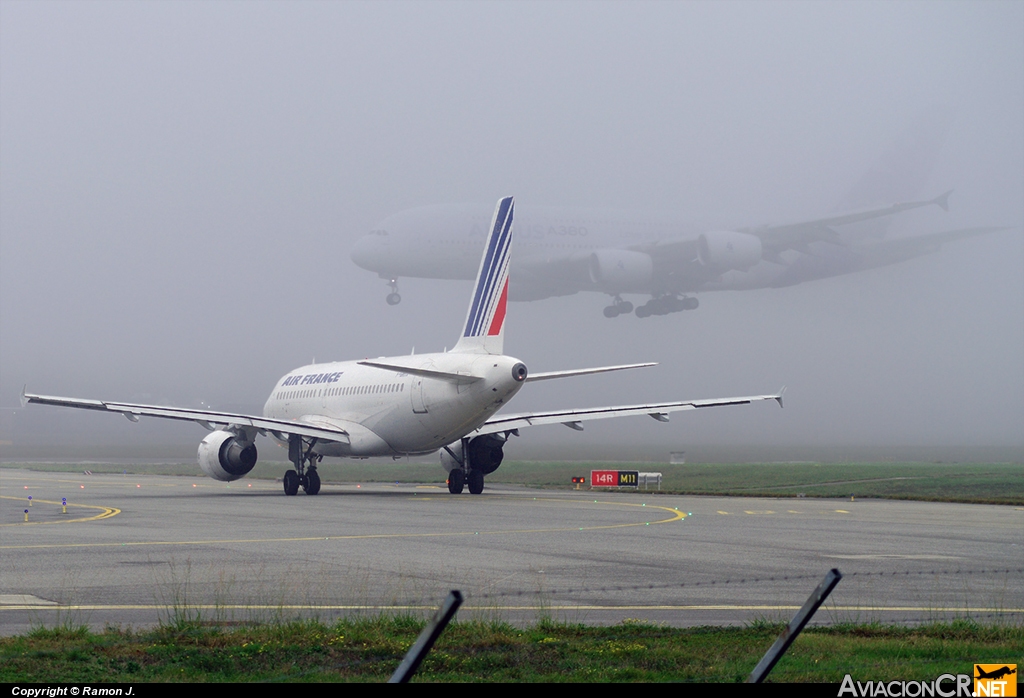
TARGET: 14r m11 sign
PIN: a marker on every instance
(614, 478)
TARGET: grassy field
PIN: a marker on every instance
(992, 483)
(371, 649)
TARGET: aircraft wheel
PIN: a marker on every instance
(643, 311)
(312, 484)
(611, 311)
(291, 483)
(456, 481)
(476, 482)
(690, 303)
(394, 299)
(625, 307)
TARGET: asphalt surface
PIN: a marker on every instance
(138, 550)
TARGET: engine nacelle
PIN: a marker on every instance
(728, 249)
(485, 454)
(621, 271)
(224, 458)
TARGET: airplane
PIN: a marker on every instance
(562, 251)
(403, 405)
(994, 674)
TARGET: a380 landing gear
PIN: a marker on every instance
(393, 297)
(304, 475)
(663, 305)
(618, 307)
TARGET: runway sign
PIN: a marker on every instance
(614, 478)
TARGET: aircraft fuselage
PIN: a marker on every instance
(391, 413)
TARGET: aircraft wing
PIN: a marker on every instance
(930, 242)
(574, 418)
(776, 238)
(208, 419)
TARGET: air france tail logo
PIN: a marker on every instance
(487, 313)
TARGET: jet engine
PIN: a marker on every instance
(621, 271)
(485, 454)
(223, 457)
(727, 249)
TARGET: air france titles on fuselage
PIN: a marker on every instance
(312, 379)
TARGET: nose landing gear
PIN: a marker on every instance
(394, 298)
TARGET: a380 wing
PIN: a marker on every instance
(209, 419)
(573, 418)
(776, 239)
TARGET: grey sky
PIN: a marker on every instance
(180, 185)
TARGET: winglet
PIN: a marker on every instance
(943, 200)
(778, 398)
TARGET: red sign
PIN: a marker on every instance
(614, 478)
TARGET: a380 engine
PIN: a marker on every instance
(485, 454)
(728, 249)
(223, 457)
(621, 271)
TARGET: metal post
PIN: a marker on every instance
(427, 638)
(815, 600)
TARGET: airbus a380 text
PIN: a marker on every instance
(399, 406)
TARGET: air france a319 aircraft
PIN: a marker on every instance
(399, 406)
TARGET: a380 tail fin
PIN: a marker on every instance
(484, 331)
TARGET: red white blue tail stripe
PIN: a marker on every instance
(485, 320)
(486, 315)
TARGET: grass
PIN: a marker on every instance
(370, 650)
(987, 483)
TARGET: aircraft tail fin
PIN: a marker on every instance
(484, 332)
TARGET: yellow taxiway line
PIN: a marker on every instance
(674, 515)
(105, 513)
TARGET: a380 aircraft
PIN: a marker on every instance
(399, 406)
(561, 251)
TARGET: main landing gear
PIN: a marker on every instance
(618, 307)
(469, 460)
(393, 297)
(458, 480)
(663, 305)
(304, 475)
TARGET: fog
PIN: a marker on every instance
(181, 185)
